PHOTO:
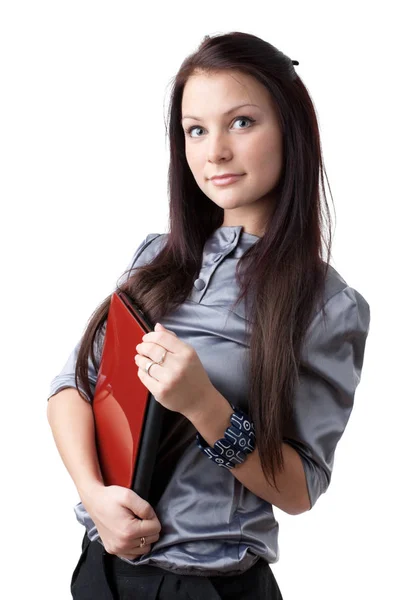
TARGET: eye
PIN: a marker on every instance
(190, 129)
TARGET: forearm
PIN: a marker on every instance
(72, 424)
(292, 496)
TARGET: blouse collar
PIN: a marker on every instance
(226, 238)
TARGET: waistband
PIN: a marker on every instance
(104, 570)
(120, 567)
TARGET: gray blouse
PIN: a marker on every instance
(211, 523)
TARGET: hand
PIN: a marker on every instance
(122, 518)
(180, 383)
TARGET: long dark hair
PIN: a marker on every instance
(284, 270)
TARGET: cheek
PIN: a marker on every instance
(194, 159)
(196, 164)
(265, 156)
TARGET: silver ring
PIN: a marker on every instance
(154, 362)
(149, 365)
(142, 542)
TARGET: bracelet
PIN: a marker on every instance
(237, 443)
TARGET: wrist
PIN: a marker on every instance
(88, 491)
(213, 418)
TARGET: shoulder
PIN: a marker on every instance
(343, 317)
(147, 249)
(334, 283)
(339, 293)
(143, 254)
(156, 240)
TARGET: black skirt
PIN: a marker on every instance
(103, 576)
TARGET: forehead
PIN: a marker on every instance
(224, 89)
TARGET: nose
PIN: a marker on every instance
(218, 148)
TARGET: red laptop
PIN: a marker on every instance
(128, 419)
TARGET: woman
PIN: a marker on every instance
(259, 342)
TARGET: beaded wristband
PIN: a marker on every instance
(238, 441)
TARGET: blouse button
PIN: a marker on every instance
(199, 284)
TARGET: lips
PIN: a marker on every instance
(225, 175)
(226, 180)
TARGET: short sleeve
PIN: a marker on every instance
(330, 372)
(66, 377)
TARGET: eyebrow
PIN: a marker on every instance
(227, 112)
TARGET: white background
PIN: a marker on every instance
(84, 158)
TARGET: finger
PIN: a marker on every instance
(163, 338)
(152, 351)
(160, 327)
(137, 550)
(141, 361)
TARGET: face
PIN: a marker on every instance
(220, 138)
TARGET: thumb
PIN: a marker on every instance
(139, 506)
(160, 327)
